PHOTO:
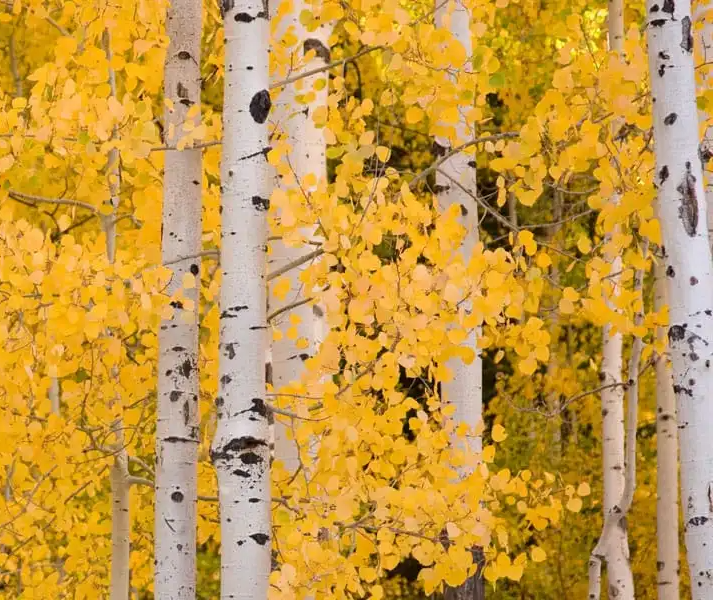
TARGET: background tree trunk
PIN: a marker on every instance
(240, 450)
(682, 212)
(177, 435)
(667, 563)
(456, 185)
(620, 578)
(308, 156)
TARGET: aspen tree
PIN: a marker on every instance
(240, 449)
(667, 563)
(617, 545)
(177, 418)
(682, 213)
(120, 483)
(307, 162)
(456, 185)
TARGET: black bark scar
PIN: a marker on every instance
(260, 105)
(688, 211)
(686, 35)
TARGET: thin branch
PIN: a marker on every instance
(295, 263)
(273, 315)
(134, 480)
(205, 254)
(488, 138)
(31, 198)
(327, 67)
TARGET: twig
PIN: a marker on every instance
(295, 263)
(24, 198)
(273, 315)
(327, 67)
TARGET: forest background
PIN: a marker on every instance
(451, 188)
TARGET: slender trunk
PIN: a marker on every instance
(667, 563)
(455, 182)
(120, 520)
(240, 450)
(617, 544)
(308, 156)
(682, 213)
(177, 419)
(120, 484)
(615, 518)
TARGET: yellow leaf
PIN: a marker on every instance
(584, 489)
(574, 504)
(584, 244)
(498, 434)
(281, 288)
(538, 554)
(413, 115)
(489, 454)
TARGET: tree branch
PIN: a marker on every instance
(32, 199)
(295, 263)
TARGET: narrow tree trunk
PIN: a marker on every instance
(177, 435)
(617, 547)
(667, 563)
(120, 484)
(308, 156)
(456, 185)
(120, 521)
(682, 212)
(240, 450)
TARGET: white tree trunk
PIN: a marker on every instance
(177, 434)
(308, 156)
(682, 212)
(120, 522)
(667, 563)
(620, 579)
(120, 484)
(456, 185)
(240, 450)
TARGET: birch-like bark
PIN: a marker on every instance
(703, 27)
(308, 156)
(615, 519)
(455, 183)
(177, 434)
(120, 484)
(667, 562)
(682, 213)
(616, 548)
(240, 450)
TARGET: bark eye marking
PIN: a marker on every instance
(670, 119)
(663, 173)
(688, 211)
(686, 35)
(676, 333)
(261, 203)
(183, 55)
(260, 538)
(668, 7)
(177, 497)
(260, 106)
